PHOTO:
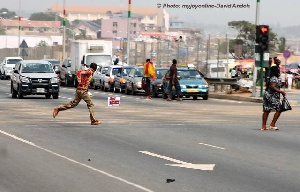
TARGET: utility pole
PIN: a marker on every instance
(19, 32)
(207, 54)
(218, 58)
(254, 68)
(64, 32)
(128, 32)
(197, 57)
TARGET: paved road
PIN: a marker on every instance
(209, 146)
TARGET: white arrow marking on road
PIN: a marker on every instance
(206, 167)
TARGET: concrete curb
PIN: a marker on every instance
(248, 99)
(236, 98)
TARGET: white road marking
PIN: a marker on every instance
(206, 167)
(70, 98)
(211, 146)
(76, 162)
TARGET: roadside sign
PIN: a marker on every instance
(286, 54)
(23, 44)
(113, 101)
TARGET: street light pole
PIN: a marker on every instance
(128, 32)
(254, 68)
(64, 32)
(19, 32)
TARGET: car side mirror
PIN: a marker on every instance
(16, 71)
(107, 75)
(64, 66)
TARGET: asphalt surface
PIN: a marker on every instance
(145, 145)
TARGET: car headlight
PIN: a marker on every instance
(24, 79)
(138, 83)
(158, 85)
(54, 80)
(202, 86)
(182, 86)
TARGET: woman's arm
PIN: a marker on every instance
(273, 87)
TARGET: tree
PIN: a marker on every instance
(6, 14)
(42, 43)
(282, 44)
(42, 16)
(246, 37)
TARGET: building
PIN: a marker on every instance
(28, 27)
(152, 19)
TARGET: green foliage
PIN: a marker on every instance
(42, 43)
(246, 36)
(282, 44)
(42, 16)
(6, 14)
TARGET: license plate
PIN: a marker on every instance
(40, 90)
(192, 91)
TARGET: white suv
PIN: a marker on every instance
(7, 66)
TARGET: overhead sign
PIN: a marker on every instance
(286, 54)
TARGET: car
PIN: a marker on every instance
(134, 81)
(34, 77)
(99, 76)
(7, 66)
(108, 80)
(121, 78)
(155, 87)
(65, 75)
(192, 84)
(55, 63)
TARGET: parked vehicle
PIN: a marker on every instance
(85, 52)
(134, 81)
(55, 63)
(155, 87)
(99, 76)
(7, 65)
(121, 78)
(65, 75)
(34, 77)
(108, 80)
(192, 84)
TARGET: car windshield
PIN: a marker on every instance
(116, 71)
(37, 68)
(188, 74)
(54, 62)
(160, 73)
(139, 72)
(13, 61)
(99, 59)
(125, 71)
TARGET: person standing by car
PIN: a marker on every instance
(149, 72)
(271, 99)
(83, 77)
(174, 82)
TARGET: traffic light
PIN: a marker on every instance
(262, 37)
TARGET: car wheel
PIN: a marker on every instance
(55, 96)
(20, 95)
(127, 91)
(48, 96)
(14, 93)
(164, 95)
(195, 97)
(116, 90)
(154, 94)
(205, 97)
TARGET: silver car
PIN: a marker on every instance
(134, 81)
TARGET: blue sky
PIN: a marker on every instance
(272, 12)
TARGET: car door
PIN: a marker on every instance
(130, 79)
(15, 76)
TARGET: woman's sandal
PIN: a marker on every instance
(273, 128)
(264, 129)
